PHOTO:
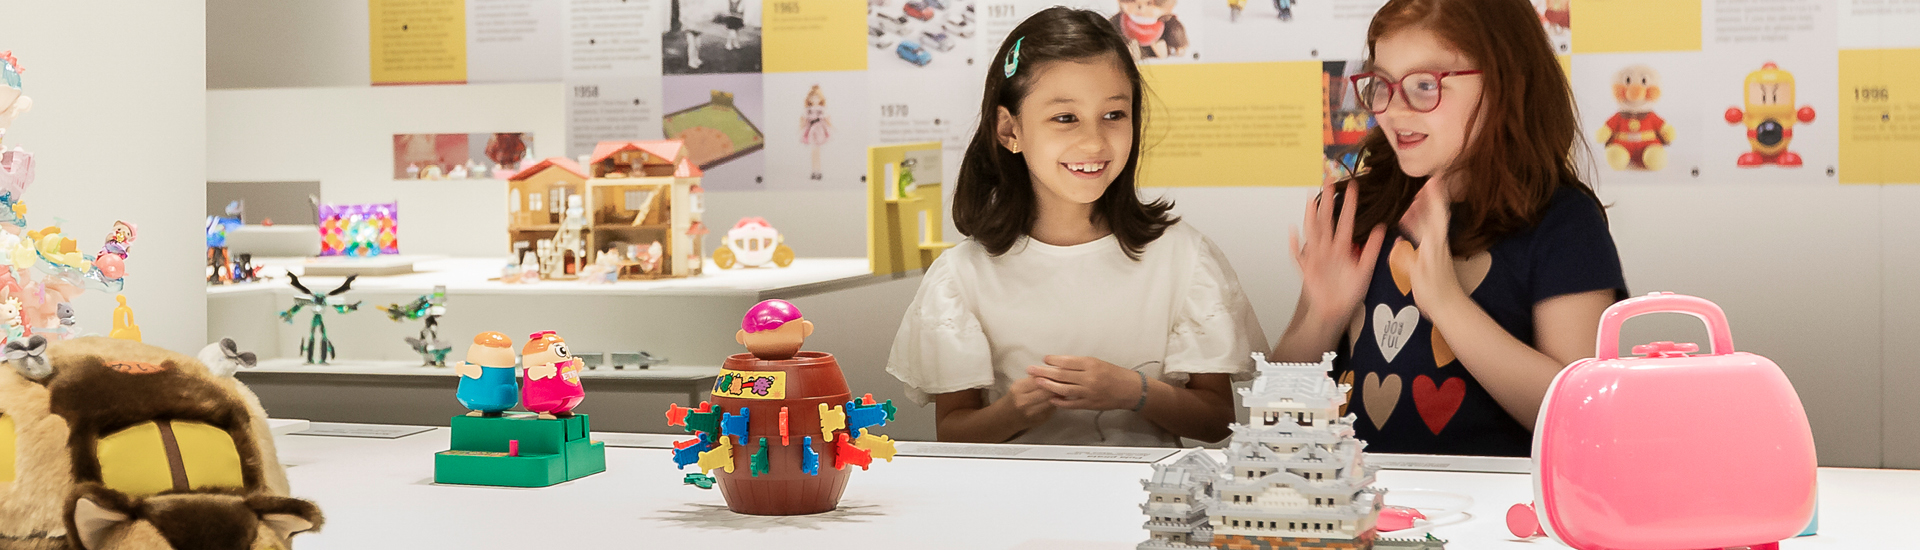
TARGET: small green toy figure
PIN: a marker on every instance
(432, 350)
(905, 182)
(316, 346)
(702, 481)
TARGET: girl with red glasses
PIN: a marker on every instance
(1465, 262)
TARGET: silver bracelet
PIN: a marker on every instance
(1143, 392)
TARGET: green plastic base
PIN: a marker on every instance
(551, 452)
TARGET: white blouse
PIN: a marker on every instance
(978, 321)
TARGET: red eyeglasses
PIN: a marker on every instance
(1421, 90)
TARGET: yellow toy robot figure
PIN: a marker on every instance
(1769, 117)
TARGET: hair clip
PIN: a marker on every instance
(1013, 57)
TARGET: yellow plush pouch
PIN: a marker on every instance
(151, 457)
(8, 448)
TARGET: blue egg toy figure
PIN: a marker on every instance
(488, 384)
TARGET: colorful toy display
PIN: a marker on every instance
(359, 230)
(1769, 117)
(1295, 477)
(552, 386)
(1740, 472)
(43, 270)
(1634, 137)
(782, 427)
(13, 99)
(432, 350)
(117, 444)
(488, 386)
(316, 346)
(752, 243)
(222, 269)
(495, 447)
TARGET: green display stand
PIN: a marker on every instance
(551, 451)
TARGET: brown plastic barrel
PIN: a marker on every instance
(812, 378)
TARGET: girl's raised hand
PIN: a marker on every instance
(1431, 265)
(1334, 273)
(1086, 383)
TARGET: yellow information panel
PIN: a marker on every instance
(1232, 124)
(814, 35)
(417, 41)
(1879, 116)
(1604, 26)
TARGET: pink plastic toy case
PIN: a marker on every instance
(1671, 451)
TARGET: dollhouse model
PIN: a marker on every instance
(638, 201)
(537, 207)
(643, 206)
(1294, 476)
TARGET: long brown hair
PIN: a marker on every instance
(1528, 130)
(994, 202)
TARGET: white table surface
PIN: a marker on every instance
(480, 276)
(295, 365)
(379, 493)
(284, 426)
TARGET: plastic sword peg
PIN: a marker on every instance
(809, 459)
(757, 463)
(879, 445)
(845, 453)
(735, 424)
(864, 416)
(831, 418)
(720, 457)
(783, 427)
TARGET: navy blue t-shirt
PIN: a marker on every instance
(1414, 397)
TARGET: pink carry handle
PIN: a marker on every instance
(1607, 345)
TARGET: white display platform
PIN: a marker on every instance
(284, 426)
(688, 321)
(694, 381)
(806, 276)
(380, 494)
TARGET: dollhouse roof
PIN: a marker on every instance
(662, 148)
(559, 162)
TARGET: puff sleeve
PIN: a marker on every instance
(1214, 329)
(940, 347)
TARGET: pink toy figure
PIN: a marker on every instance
(552, 385)
(1701, 450)
(120, 241)
(16, 173)
(773, 330)
(815, 126)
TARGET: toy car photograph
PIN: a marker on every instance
(913, 53)
(918, 10)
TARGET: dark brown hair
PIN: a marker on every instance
(1528, 131)
(994, 201)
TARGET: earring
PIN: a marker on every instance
(1014, 146)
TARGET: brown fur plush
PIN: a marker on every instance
(103, 519)
(42, 468)
(100, 386)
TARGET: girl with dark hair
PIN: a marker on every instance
(1074, 313)
(1465, 263)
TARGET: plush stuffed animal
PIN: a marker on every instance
(114, 444)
